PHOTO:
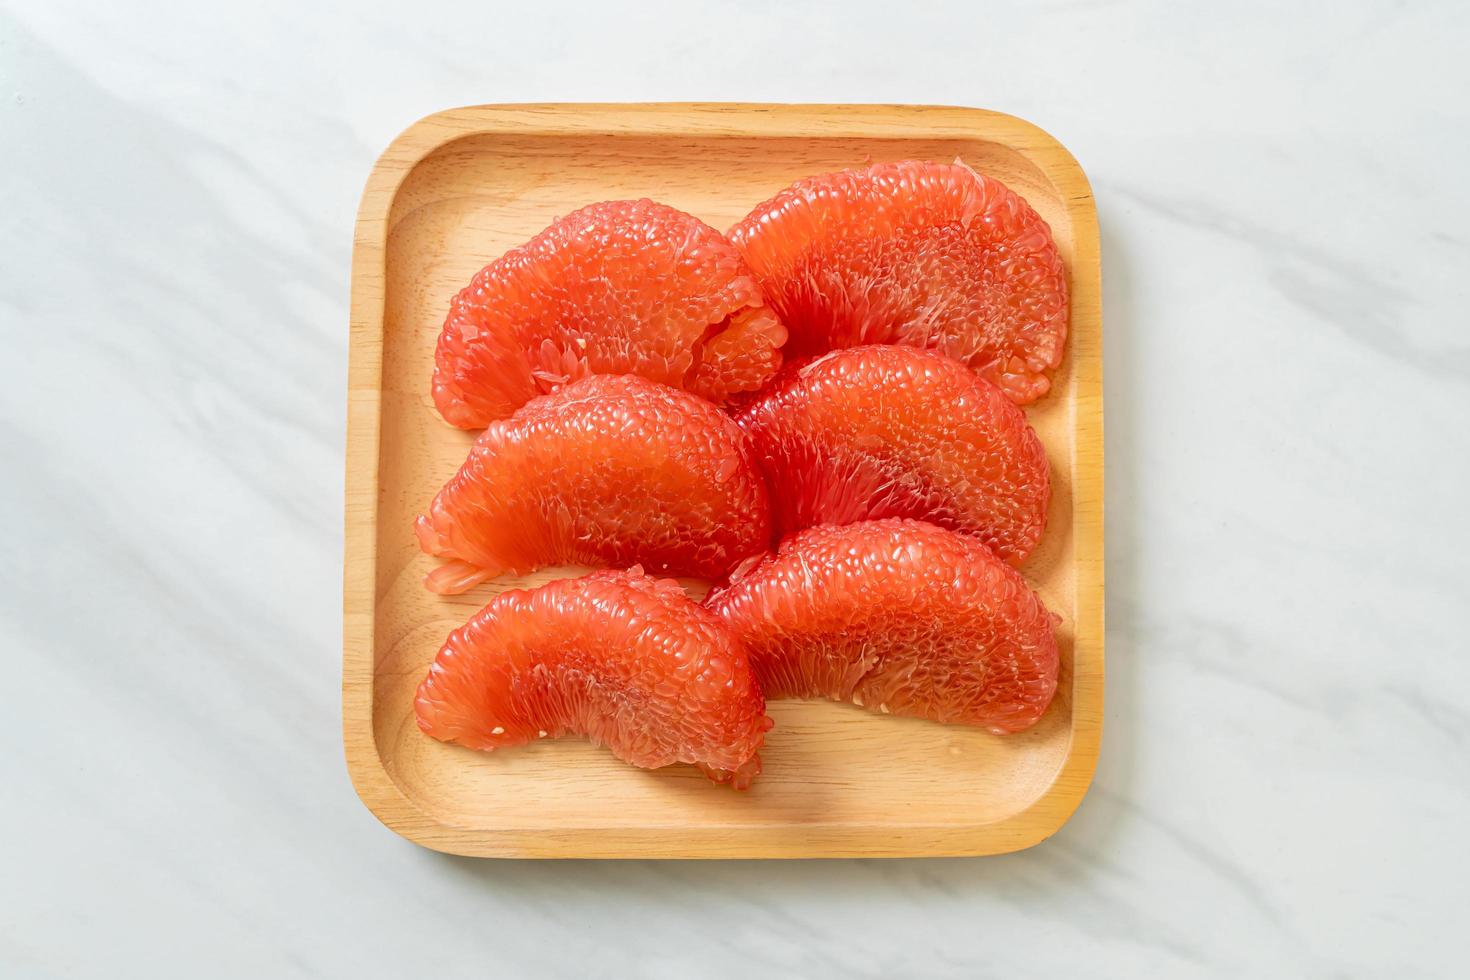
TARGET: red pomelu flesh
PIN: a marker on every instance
(608, 471)
(620, 287)
(900, 617)
(922, 254)
(623, 658)
(873, 432)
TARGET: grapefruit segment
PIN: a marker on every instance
(900, 617)
(609, 470)
(873, 432)
(921, 254)
(623, 658)
(620, 287)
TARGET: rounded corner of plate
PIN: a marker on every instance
(404, 152)
(1058, 161)
(1063, 800)
(378, 794)
(416, 136)
(1053, 809)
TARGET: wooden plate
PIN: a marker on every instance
(458, 189)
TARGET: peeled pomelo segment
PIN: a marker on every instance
(620, 287)
(618, 656)
(889, 431)
(921, 254)
(900, 617)
(611, 470)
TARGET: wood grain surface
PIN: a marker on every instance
(455, 191)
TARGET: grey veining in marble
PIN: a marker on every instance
(1285, 779)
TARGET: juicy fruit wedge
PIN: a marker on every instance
(922, 254)
(621, 287)
(610, 470)
(627, 660)
(875, 432)
(900, 617)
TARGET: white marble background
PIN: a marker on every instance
(1285, 779)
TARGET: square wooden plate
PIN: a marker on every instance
(458, 189)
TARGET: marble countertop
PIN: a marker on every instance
(1285, 776)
